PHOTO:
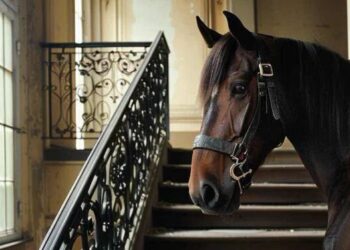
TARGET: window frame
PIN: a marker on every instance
(10, 9)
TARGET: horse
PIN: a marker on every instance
(256, 90)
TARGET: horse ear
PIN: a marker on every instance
(241, 33)
(210, 36)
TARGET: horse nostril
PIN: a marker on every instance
(210, 195)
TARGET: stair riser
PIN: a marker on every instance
(282, 175)
(240, 219)
(236, 244)
(276, 175)
(279, 157)
(254, 195)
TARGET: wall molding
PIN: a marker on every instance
(185, 118)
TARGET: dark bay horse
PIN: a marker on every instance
(256, 90)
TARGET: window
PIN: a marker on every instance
(79, 108)
(8, 216)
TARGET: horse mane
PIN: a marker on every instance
(216, 66)
(320, 79)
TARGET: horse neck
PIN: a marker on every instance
(314, 103)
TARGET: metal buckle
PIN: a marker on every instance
(265, 69)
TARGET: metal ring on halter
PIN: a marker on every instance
(239, 163)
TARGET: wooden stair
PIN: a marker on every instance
(283, 209)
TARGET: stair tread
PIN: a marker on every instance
(299, 207)
(260, 185)
(187, 150)
(272, 173)
(277, 156)
(218, 234)
(265, 166)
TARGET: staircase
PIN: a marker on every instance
(283, 209)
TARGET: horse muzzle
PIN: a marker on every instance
(216, 196)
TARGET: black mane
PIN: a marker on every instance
(316, 83)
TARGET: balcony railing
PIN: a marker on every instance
(103, 210)
(85, 83)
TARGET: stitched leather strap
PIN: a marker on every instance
(216, 144)
(264, 55)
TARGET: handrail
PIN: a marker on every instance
(104, 206)
(96, 44)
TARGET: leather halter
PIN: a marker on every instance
(237, 150)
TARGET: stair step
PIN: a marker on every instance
(258, 193)
(179, 156)
(273, 173)
(279, 156)
(282, 209)
(248, 216)
(235, 239)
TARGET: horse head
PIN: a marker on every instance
(240, 123)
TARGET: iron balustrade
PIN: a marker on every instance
(85, 83)
(103, 209)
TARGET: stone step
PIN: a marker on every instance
(272, 173)
(258, 193)
(248, 216)
(306, 239)
(277, 156)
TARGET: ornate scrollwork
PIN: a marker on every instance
(94, 79)
(105, 206)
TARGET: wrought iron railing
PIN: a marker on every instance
(105, 205)
(85, 83)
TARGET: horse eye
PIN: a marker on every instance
(240, 89)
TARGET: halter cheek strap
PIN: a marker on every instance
(267, 76)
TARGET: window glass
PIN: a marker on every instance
(2, 94)
(10, 207)
(7, 131)
(2, 208)
(2, 155)
(1, 40)
(7, 26)
(8, 98)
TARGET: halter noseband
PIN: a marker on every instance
(238, 150)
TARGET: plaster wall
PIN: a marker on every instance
(319, 21)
